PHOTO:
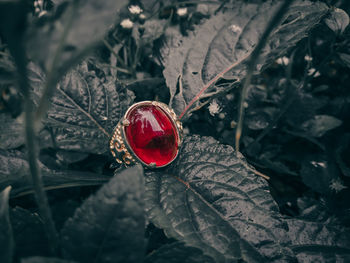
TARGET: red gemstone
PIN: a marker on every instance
(151, 134)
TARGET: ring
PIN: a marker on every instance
(149, 133)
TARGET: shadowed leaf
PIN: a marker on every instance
(73, 30)
(45, 260)
(319, 242)
(320, 124)
(29, 233)
(178, 253)
(109, 226)
(14, 171)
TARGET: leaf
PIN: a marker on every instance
(345, 58)
(320, 124)
(76, 25)
(341, 154)
(29, 234)
(13, 16)
(84, 109)
(38, 259)
(210, 200)
(318, 172)
(6, 235)
(11, 132)
(153, 29)
(177, 253)
(227, 39)
(109, 226)
(319, 242)
(14, 171)
(338, 20)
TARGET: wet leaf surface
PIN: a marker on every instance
(213, 202)
(321, 242)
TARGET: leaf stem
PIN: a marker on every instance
(40, 195)
(211, 82)
(110, 48)
(252, 63)
(31, 143)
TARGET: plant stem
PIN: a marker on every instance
(276, 19)
(40, 195)
(110, 48)
(17, 50)
(31, 143)
(211, 82)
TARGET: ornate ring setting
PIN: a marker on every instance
(149, 133)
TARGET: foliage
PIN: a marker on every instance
(109, 226)
(226, 40)
(80, 64)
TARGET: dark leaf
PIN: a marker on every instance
(319, 242)
(318, 172)
(72, 31)
(7, 69)
(58, 2)
(304, 102)
(109, 226)
(312, 209)
(320, 124)
(210, 200)
(66, 157)
(14, 171)
(153, 29)
(338, 20)
(11, 131)
(6, 235)
(84, 109)
(342, 153)
(29, 233)
(44, 260)
(345, 58)
(13, 16)
(178, 253)
(227, 39)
